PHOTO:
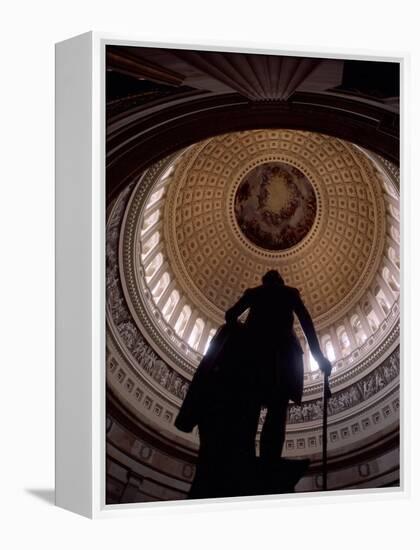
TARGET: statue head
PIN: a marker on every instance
(272, 277)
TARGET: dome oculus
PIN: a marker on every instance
(275, 206)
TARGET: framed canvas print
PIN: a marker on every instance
(228, 274)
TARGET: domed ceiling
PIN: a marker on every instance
(321, 221)
(201, 226)
(189, 233)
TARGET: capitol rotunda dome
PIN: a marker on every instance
(200, 226)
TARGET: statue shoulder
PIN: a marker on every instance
(293, 292)
(252, 294)
(253, 290)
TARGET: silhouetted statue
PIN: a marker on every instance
(275, 352)
(247, 366)
(222, 402)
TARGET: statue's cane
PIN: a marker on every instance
(326, 396)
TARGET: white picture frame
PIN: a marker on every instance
(80, 278)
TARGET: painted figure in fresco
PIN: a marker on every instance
(275, 352)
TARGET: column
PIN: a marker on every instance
(157, 275)
(392, 241)
(156, 206)
(153, 253)
(376, 307)
(190, 325)
(389, 241)
(166, 294)
(321, 342)
(335, 343)
(164, 180)
(392, 268)
(397, 229)
(364, 322)
(306, 360)
(350, 334)
(204, 336)
(395, 215)
(177, 311)
(391, 220)
(396, 252)
(387, 290)
(150, 230)
(393, 200)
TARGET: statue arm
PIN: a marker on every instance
(310, 333)
(241, 305)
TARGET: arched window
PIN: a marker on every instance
(390, 279)
(155, 197)
(209, 339)
(393, 256)
(161, 286)
(394, 212)
(390, 189)
(371, 317)
(150, 220)
(196, 333)
(167, 173)
(358, 329)
(313, 365)
(153, 266)
(170, 305)
(344, 340)
(381, 299)
(182, 320)
(383, 304)
(395, 234)
(328, 347)
(150, 244)
(373, 321)
(330, 350)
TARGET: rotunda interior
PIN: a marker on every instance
(197, 213)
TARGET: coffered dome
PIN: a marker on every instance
(215, 260)
(187, 255)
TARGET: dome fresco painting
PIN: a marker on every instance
(275, 206)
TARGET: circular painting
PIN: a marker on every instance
(275, 206)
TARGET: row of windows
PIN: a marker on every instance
(199, 334)
(359, 331)
(180, 322)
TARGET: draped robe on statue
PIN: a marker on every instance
(264, 351)
(271, 340)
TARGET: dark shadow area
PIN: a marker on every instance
(225, 406)
(233, 478)
(47, 495)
